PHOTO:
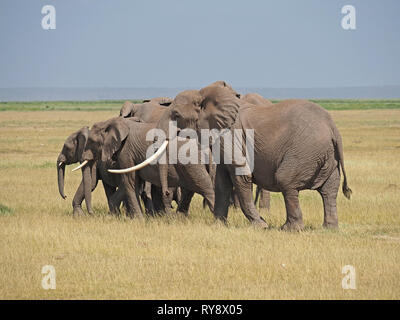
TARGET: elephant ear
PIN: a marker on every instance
(82, 137)
(127, 109)
(221, 107)
(114, 137)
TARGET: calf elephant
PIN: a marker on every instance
(296, 146)
(125, 142)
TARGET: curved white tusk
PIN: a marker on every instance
(80, 166)
(155, 156)
(60, 164)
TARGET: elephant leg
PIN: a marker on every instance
(128, 187)
(328, 192)
(286, 180)
(178, 195)
(264, 199)
(258, 192)
(184, 204)
(167, 200)
(235, 199)
(156, 195)
(243, 188)
(78, 199)
(109, 191)
(223, 191)
(294, 216)
(147, 198)
(138, 186)
(115, 201)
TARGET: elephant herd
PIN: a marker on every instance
(295, 146)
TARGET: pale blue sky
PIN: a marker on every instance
(176, 43)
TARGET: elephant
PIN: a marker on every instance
(148, 111)
(71, 152)
(256, 100)
(125, 142)
(297, 146)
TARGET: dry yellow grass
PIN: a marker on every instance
(176, 258)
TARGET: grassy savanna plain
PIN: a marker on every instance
(105, 257)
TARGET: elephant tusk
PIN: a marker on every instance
(60, 164)
(80, 166)
(146, 162)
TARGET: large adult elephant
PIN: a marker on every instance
(125, 142)
(71, 153)
(256, 100)
(296, 146)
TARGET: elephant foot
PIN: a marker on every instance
(78, 211)
(115, 212)
(221, 222)
(260, 224)
(293, 226)
(330, 225)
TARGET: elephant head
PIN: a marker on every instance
(130, 109)
(71, 153)
(256, 99)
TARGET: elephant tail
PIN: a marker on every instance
(339, 149)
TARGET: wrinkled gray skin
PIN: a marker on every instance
(72, 153)
(125, 142)
(148, 111)
(297, 146)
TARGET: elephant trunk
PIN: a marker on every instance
(60, 178)
(87, 187)
(163, 171)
